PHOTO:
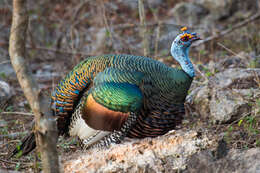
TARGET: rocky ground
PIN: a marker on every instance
(220, 132)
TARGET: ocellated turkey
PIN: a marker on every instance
(105, 98)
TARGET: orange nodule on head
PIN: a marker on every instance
(188, 36)
(184, 29)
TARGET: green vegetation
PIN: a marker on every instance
(246, 132)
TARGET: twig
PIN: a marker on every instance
(200, 72)
(5, 62)
(20, 113)
(9, 141)
(198, 82)
(11, 162)
(14, 135)
(242, 117)
(158, 30)
(257, 79)
(108, 28)
(74, 37)
(78, 8)
(229, 50)
(144, 28)
(150, 24)
(231, 29)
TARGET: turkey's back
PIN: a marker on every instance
(164, 90)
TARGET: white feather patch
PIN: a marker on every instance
(86, 133)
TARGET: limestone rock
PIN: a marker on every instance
(165, 153)
(227, 105)
(226, 96)
(236, 161)
(235, 78)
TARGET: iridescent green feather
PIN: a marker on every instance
(118, 89)
(121, 97)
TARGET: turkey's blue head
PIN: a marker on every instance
(180, 50)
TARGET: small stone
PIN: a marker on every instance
(6, 92)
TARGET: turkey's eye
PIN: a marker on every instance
(185, 39)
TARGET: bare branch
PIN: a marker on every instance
(144, 28)
(46, 130)
(20, 113)
(10, 162)
(229, 50)
(227, 31)
(108, 28)
(5, 62)
(152, 24)
(14, 135)
(158, 30)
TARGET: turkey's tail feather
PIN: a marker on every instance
(28, 144)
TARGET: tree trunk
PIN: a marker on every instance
(45, 128)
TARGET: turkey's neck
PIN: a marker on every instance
(182, 56)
